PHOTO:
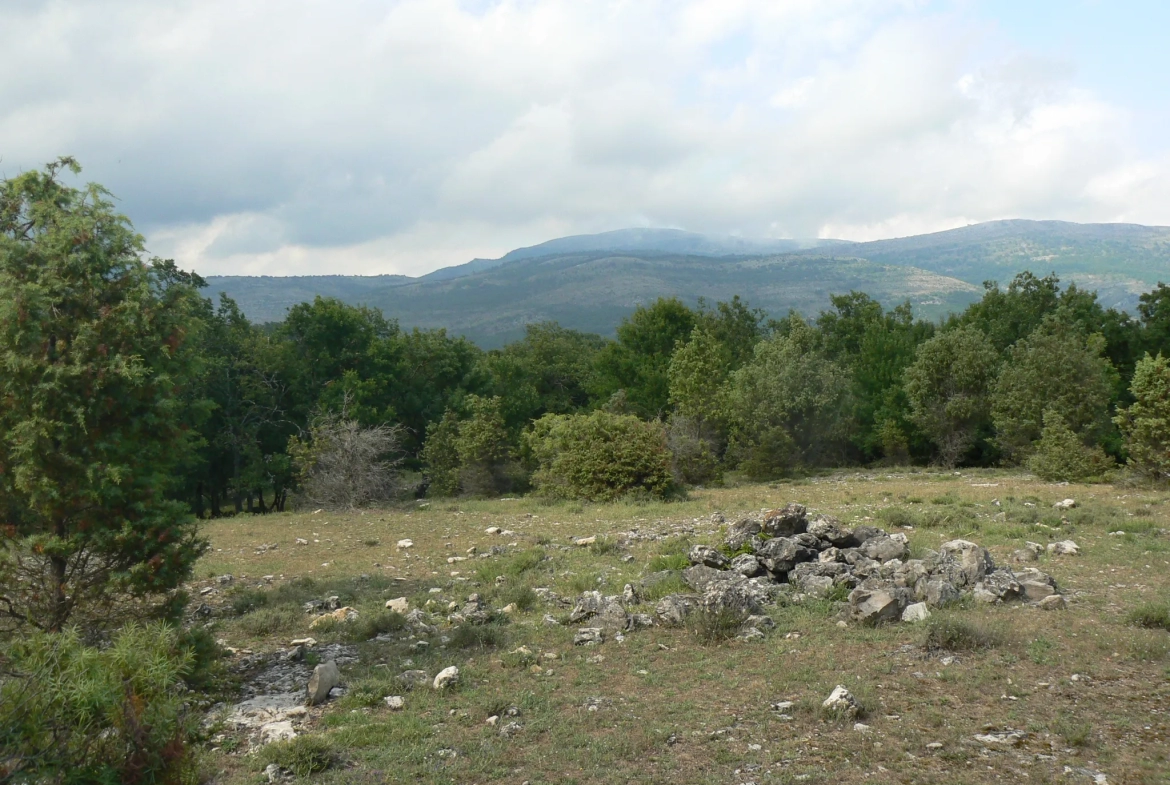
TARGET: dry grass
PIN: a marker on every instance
(671, 710)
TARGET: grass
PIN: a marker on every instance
(1151, 615)
(712, 626)
(302, 756)
(669, 706)
(957, 634)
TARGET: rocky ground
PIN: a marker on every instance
(859, 635)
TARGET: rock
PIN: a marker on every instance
(781, 554)
(699, 577)
(885, 548)
(399, 605)
(583, 541)
(1036, 585)
(394, 702)
(607, 612)
(861, 727)
(997, 586)
(589, 636)
(281, 730)
(511, 729)
(829, 529)
(404, 544)
(673, 609)
(1001, 739)
(863, 534)
(741, 533)
(789, 520)
(1065, 504)
(874, 606)
(816, 585)
(971, 562)
(841, 702)
(706, 555)
(414, 678)
(346, 614)
(492, 530)
(224, 580)
(939, 593)
(274, 773)
(325, 677)
(1053, 602)
(1064, 548)
(916, 612)
(550, 621)
(448, 677)
(492, 720)
(630, 595)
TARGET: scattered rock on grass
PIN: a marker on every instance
(841, 701)
(1064, 548)
(589, 636)
(447, 677)
(325, 677)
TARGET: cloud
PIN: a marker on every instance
(298, 137)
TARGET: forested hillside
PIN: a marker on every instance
(591, 282)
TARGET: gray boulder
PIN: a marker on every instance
(781, 554)
(414, 678)
(973, 562)
(938, 593)
(747, 565)
(875, 606)
(589, 636)
(673, 609)
(788, 520)
(862, 534)
(741, 533)
(998, 586)
(708, 556)
(325, 677)
(884, 548)
(829, 529)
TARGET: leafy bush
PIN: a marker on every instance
(715, 625)
(1060, 455)
(949, 633)
(1151, 615)
(471, 455)
(1146, 423)
(72, 713)
(599, 456)
(303, 755)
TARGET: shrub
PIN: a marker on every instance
(669, 561)
(1146, 423)
(472, 455)
(269, 621)
(715, 625)
(693, 451)
(368, 626)
(303, 755)
(948, 633)
(599, 456)
(1060, 455)
(1151, 615)
(343, 465)
(477, 636)
(73, 713)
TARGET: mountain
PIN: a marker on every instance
(589, 282)
(1120, 261)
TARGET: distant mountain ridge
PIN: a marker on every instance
(590, 282)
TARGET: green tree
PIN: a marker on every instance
(1145, 424)
(95, 350)
(789, 406)
(948, 386)
(471, 454)
(1056, 367)
(599, 456)
(1061, 455)
(638, 361)
(696, 434)
(1154, 312)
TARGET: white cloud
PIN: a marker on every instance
(299, 136)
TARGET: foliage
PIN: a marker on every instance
(788, 406)
(1060, 455)
(1057, 367)
(952, 633)
(343, 465)
(599, 456)
(303, 755)
(1151, 615)
(95, 344)
(471, 455)
(715, 625)
(1146, 423)
(948, 388)
(694, 447)
(71, 713)
(638, 361)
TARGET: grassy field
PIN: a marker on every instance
(1089, 687)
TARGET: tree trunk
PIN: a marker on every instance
(60, 566)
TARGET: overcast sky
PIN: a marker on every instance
(357, 136)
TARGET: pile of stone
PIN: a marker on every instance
(818, 556)
(786, 552)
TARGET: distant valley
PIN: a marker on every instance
(590, 282)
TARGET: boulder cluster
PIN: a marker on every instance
(785, 551)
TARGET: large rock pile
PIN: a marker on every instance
(818, 556)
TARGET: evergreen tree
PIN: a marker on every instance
(1146, 423)
(95, 346)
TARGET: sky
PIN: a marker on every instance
(300, 137)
